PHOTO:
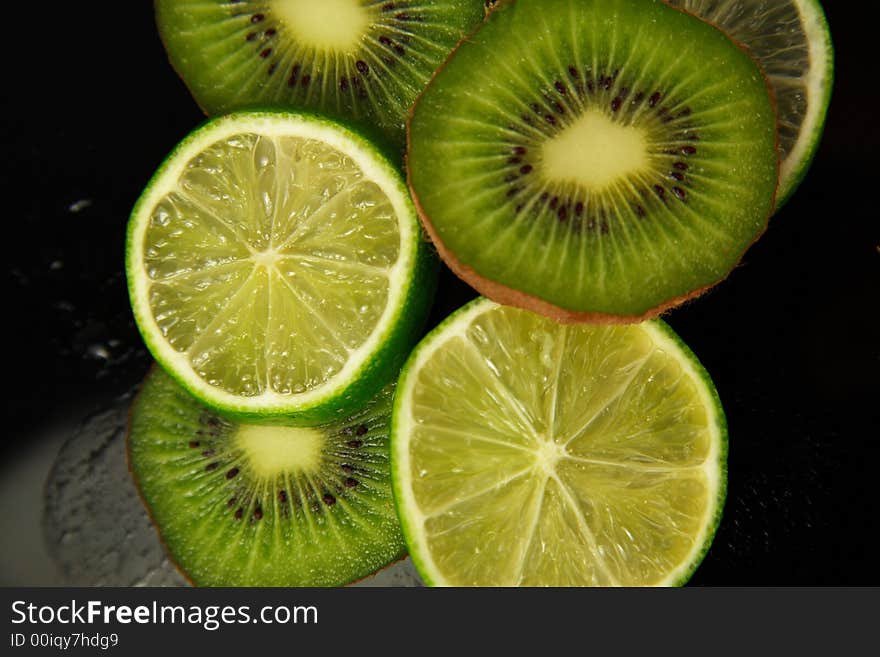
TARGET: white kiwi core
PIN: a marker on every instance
(594, 151)
(334, 25)
(272, 450)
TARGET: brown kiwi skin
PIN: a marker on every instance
(509, 296)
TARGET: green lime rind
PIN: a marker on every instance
(418, 551)
(397, 332)
(701, 374)
(766, 31)
(325, 546)
(793, 174)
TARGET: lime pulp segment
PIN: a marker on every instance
(530, 453)
(269, 258)
(792, 42)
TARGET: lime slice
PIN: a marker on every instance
(531, 453)
(275, 267)
(791, 41)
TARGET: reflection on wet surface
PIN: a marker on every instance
(95, 527)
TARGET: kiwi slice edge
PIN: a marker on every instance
(557, 105)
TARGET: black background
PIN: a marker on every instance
(90, 107)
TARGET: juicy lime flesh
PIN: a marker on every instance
(545, 454)
(683, 126)
(269, 263)
(231, 515)
(790, 40)
(348, 59)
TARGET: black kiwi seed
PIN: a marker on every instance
(281, 497)
(294, 74)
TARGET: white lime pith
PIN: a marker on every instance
(561, 456)
(271, 263)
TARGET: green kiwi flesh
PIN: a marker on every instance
(355, 60)
(594, 159)
(250, 505)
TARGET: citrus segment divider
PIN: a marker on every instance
(276, 267)
(531, 453)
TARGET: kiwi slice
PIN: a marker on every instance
(594, 159)
(358, 60)
(249, 505)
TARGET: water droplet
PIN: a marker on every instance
(80, 205)
(98, 351)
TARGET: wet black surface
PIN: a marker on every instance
(791, 338)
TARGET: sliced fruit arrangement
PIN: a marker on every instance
(596, 160)
(358, 60)
(791, 41)
(528, 452)
(276, 267)
(254, 505)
